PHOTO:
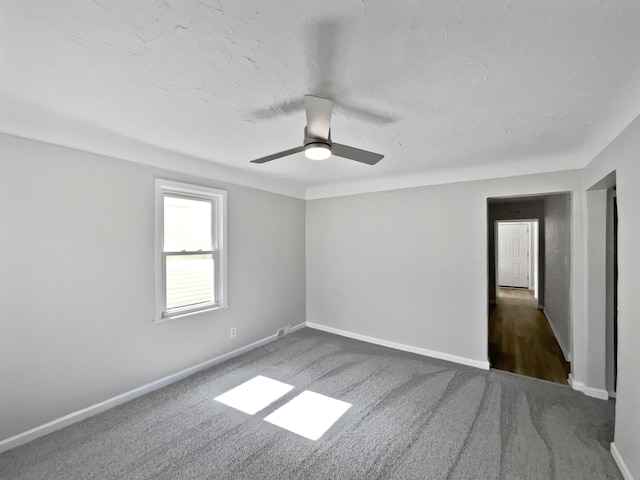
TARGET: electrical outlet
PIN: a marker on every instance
(233, 332)
(284, 330)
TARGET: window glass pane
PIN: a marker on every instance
(187, 224)
(190, 280)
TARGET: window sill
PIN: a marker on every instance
(178, 315)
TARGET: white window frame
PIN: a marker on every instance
(218, 199)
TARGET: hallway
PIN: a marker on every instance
(521, 340)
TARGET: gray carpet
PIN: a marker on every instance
(411, 417)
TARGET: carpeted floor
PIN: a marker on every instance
(411, 417)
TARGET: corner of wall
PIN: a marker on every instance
(626, 473)
(563, 347)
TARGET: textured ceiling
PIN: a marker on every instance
(446, 90)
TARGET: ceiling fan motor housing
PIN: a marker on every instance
(309, 140)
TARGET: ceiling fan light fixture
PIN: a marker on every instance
(317, 151)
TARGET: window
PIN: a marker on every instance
(190, 249)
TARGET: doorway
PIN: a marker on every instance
(515, 254)
(523, 339)
(601, 286)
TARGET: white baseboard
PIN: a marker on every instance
(620, 462)
(298, 327)
(600, 393)
(565, 350)
(400, 346)
(74, 417)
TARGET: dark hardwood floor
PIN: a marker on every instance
(521, 340)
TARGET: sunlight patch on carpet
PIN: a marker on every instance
(255, 394)
(309, 414)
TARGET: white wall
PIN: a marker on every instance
(410, 266)
(77, 276)
(623, 156)
(557, 244)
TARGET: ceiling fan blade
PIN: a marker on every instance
(286, 107)
(356, 154)
(275, 156)
(368, 115)
(318, 111)
(327, 46)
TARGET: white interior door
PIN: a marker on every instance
(513, 254)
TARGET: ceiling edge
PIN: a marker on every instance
(178, 162)
(441, 177)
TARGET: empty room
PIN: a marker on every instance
(320, 240)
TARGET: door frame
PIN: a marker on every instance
(534, 206)
(534, 253)
(611, 278)
(594, 351)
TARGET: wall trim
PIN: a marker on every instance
(600, 393)
(78, 415)
(442, 177)
(298, 327)
(565, 350)
(626, 473)
(400, 346)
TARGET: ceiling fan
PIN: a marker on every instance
(317, 144)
